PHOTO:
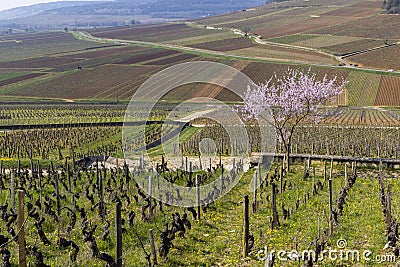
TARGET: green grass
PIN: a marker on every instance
(9, 75)
(217, 238)
(362, 224)
(288, 39)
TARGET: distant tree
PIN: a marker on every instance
(391, 6)
(66, 29)
(133, 22)
(246, 30)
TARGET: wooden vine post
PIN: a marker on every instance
(255, 177)
(281, 175)
(57, 197)
(275, 220)
(389, 203)
(330, 198)
(201, 165)
(150, 196)
(68, 175)
(100, 194)
(314, 191)
(191, 171)
(12, 189)
(152, 247)
(246, 226)
(21, 232)
(40, 189)
(198, 196)
(118, 227)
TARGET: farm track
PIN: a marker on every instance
(206, 52)
(339, 58)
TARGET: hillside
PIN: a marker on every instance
(73, 65)
(112, 13)
(25, 11)
(346, 29)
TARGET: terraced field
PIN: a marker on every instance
(388, 58)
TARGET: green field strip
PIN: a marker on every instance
(204, 38)
(362, 223)
(362, 88)
(12, 89)
(371, 89)
(289, 39)
(302, 226)
(395, 183)
(10, 75)
(326, 40)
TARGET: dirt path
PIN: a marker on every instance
(90, 37)
(85, 35)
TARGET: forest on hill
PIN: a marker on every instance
(391, 6)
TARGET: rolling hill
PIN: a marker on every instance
(334, 37)
(58, 15)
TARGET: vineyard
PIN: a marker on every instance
(87, 179)
(113, 72)
(97, 212)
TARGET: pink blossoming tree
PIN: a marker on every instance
(294, 97)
